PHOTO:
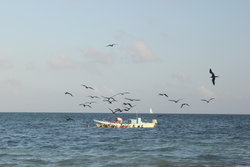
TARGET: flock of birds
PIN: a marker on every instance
(127, 105)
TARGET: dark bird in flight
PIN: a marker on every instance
(90, 102)
(112, 111)
(132, 99)
(163, 94)
(92, 97)
(85, 105)
(213, 76)
(127, 108)
(87, 87)
(121, 93)
(184, 104)
(207, 100)
(109, 99)
(67, 93)
(175, 101)
(130, 105)
(111, 45)
(116, 110)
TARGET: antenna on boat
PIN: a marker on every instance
(137, 116)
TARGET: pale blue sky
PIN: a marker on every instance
(49, 47)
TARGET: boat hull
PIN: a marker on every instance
(125, 125)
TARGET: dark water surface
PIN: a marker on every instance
(48, 139)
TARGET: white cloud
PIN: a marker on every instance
(5, 64)
(205, 92)
(61, 62)
(140, 52)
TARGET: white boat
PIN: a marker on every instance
(151, 111)
(133, 123)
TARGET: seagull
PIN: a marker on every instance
(126, 109)
(85, 105)
(90, 102)
(109, 99)
(68, 93)
(118, 110)
(92, 97)
(184, 104)
(112, 111)
(128, 104)
(121, 93)
(175, 101)
(213, 76)
(132, 99)
(207, 100)
(111, 45)
(87, 87)
(163, 94)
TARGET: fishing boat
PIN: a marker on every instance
(132, 123)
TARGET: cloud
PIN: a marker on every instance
(61, 62)
(181, 76)
(97, 56)
(205, 92)
(5, 64)
(140, 52)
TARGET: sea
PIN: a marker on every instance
(73, 140)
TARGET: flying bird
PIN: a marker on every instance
(85, 105)
(213, 76)
(130, 105)
(112, 111)
(116, 110)
(163, 94)
(175, 101)
(92, 97)
(126, 109)
(207, 100)
(110, 102)
(184, 104)
(87, 87)
(67, 93)
(109, 99)
(111, 45)
(90, 102)
(132, 99)
(121, 93)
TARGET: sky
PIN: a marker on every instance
(163, 46)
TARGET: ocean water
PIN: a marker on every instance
(48, 139)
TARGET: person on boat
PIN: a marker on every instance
(118, 120)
